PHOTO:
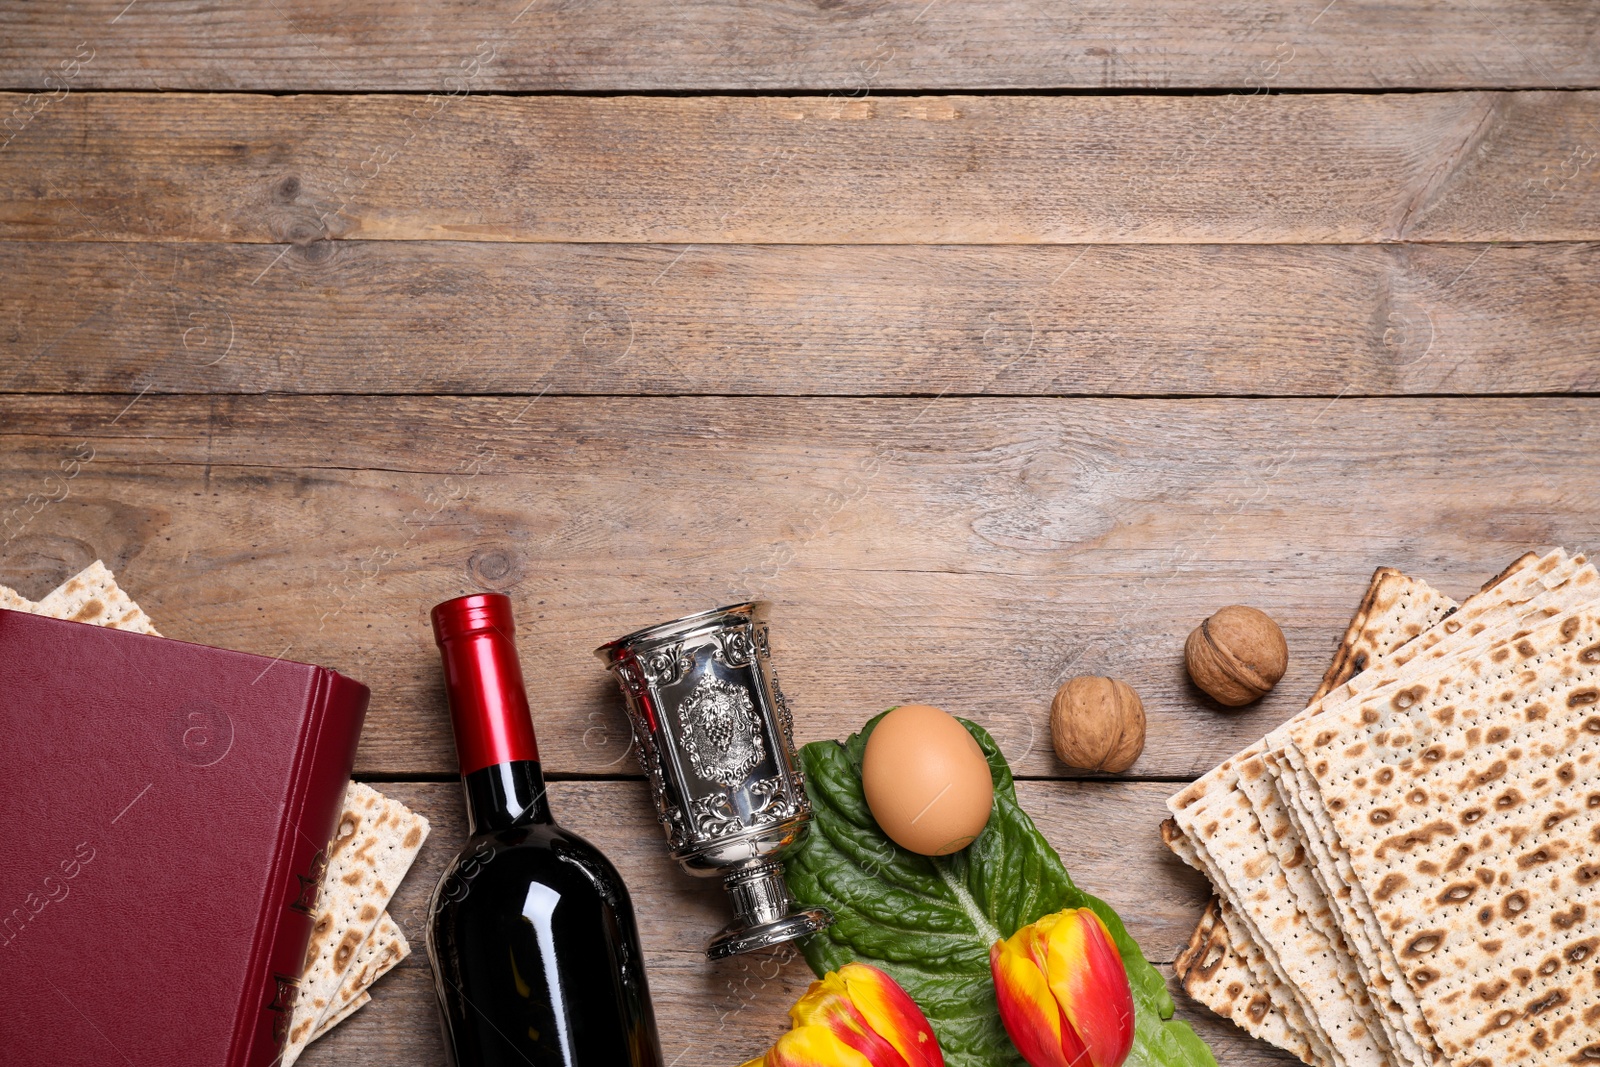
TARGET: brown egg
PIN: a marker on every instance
(926, 780)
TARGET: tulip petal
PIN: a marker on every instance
(814, 1046)
(1089, 982)
(829, 1005)
(892, 1014)
(1027, 1008)
(818, 1000)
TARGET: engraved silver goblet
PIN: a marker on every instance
(716, 740)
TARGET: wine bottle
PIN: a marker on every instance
(531, 932)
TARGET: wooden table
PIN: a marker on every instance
(995, 342)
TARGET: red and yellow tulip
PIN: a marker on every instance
(1063, 992)
(856, 1016)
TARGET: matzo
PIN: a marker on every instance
(1523, 595)
(1217, 961)
(1505, 608)
(1220, 787)
(1485, 617)
(360, 1001)
(1267, 868)
(93, 596)
(1395, 609)
(1210, 967)
(373, 848)
(1297, 953)
(1469, 806)
(384, 947)
(1217, 816)
(1391, 609)
(1291, 999)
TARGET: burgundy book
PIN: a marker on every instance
(166, 811)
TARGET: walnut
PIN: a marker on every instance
(1237, 655)
(1097, 724)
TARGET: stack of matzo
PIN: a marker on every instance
(354, 942)
(1408, 871)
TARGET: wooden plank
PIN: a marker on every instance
(727, 1012)
(738, 1010)
(453, 317)
(808, 170)
(703, 45)
(963, 552)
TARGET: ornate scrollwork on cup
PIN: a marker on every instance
(785, 716)
(771, 802)
(628, 675)
(667, 665)
(668, 814)
(720, 732)
(671, 819)
(735, 648)
(714, 815)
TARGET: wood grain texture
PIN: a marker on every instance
(714, 44)
(724, 1013)
(453, 317)
(787, 298)
(1468, 166)
(969, 553)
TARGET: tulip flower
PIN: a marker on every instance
(856, 1016)
(1063, 992)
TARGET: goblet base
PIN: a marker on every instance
(736, 938)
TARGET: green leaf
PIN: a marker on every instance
(929, 921)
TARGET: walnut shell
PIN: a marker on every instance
(1237, 655)
(1097, 724)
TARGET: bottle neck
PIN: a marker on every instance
(503, 795)
(489, 713)
(488, 703)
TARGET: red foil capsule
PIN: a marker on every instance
(483, 680)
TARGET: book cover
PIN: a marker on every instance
(164, 816)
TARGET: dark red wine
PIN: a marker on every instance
(531, 933)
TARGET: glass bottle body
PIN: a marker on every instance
(532, 937)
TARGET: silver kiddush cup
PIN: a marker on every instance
(716, 739)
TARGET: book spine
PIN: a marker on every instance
(332, 729)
